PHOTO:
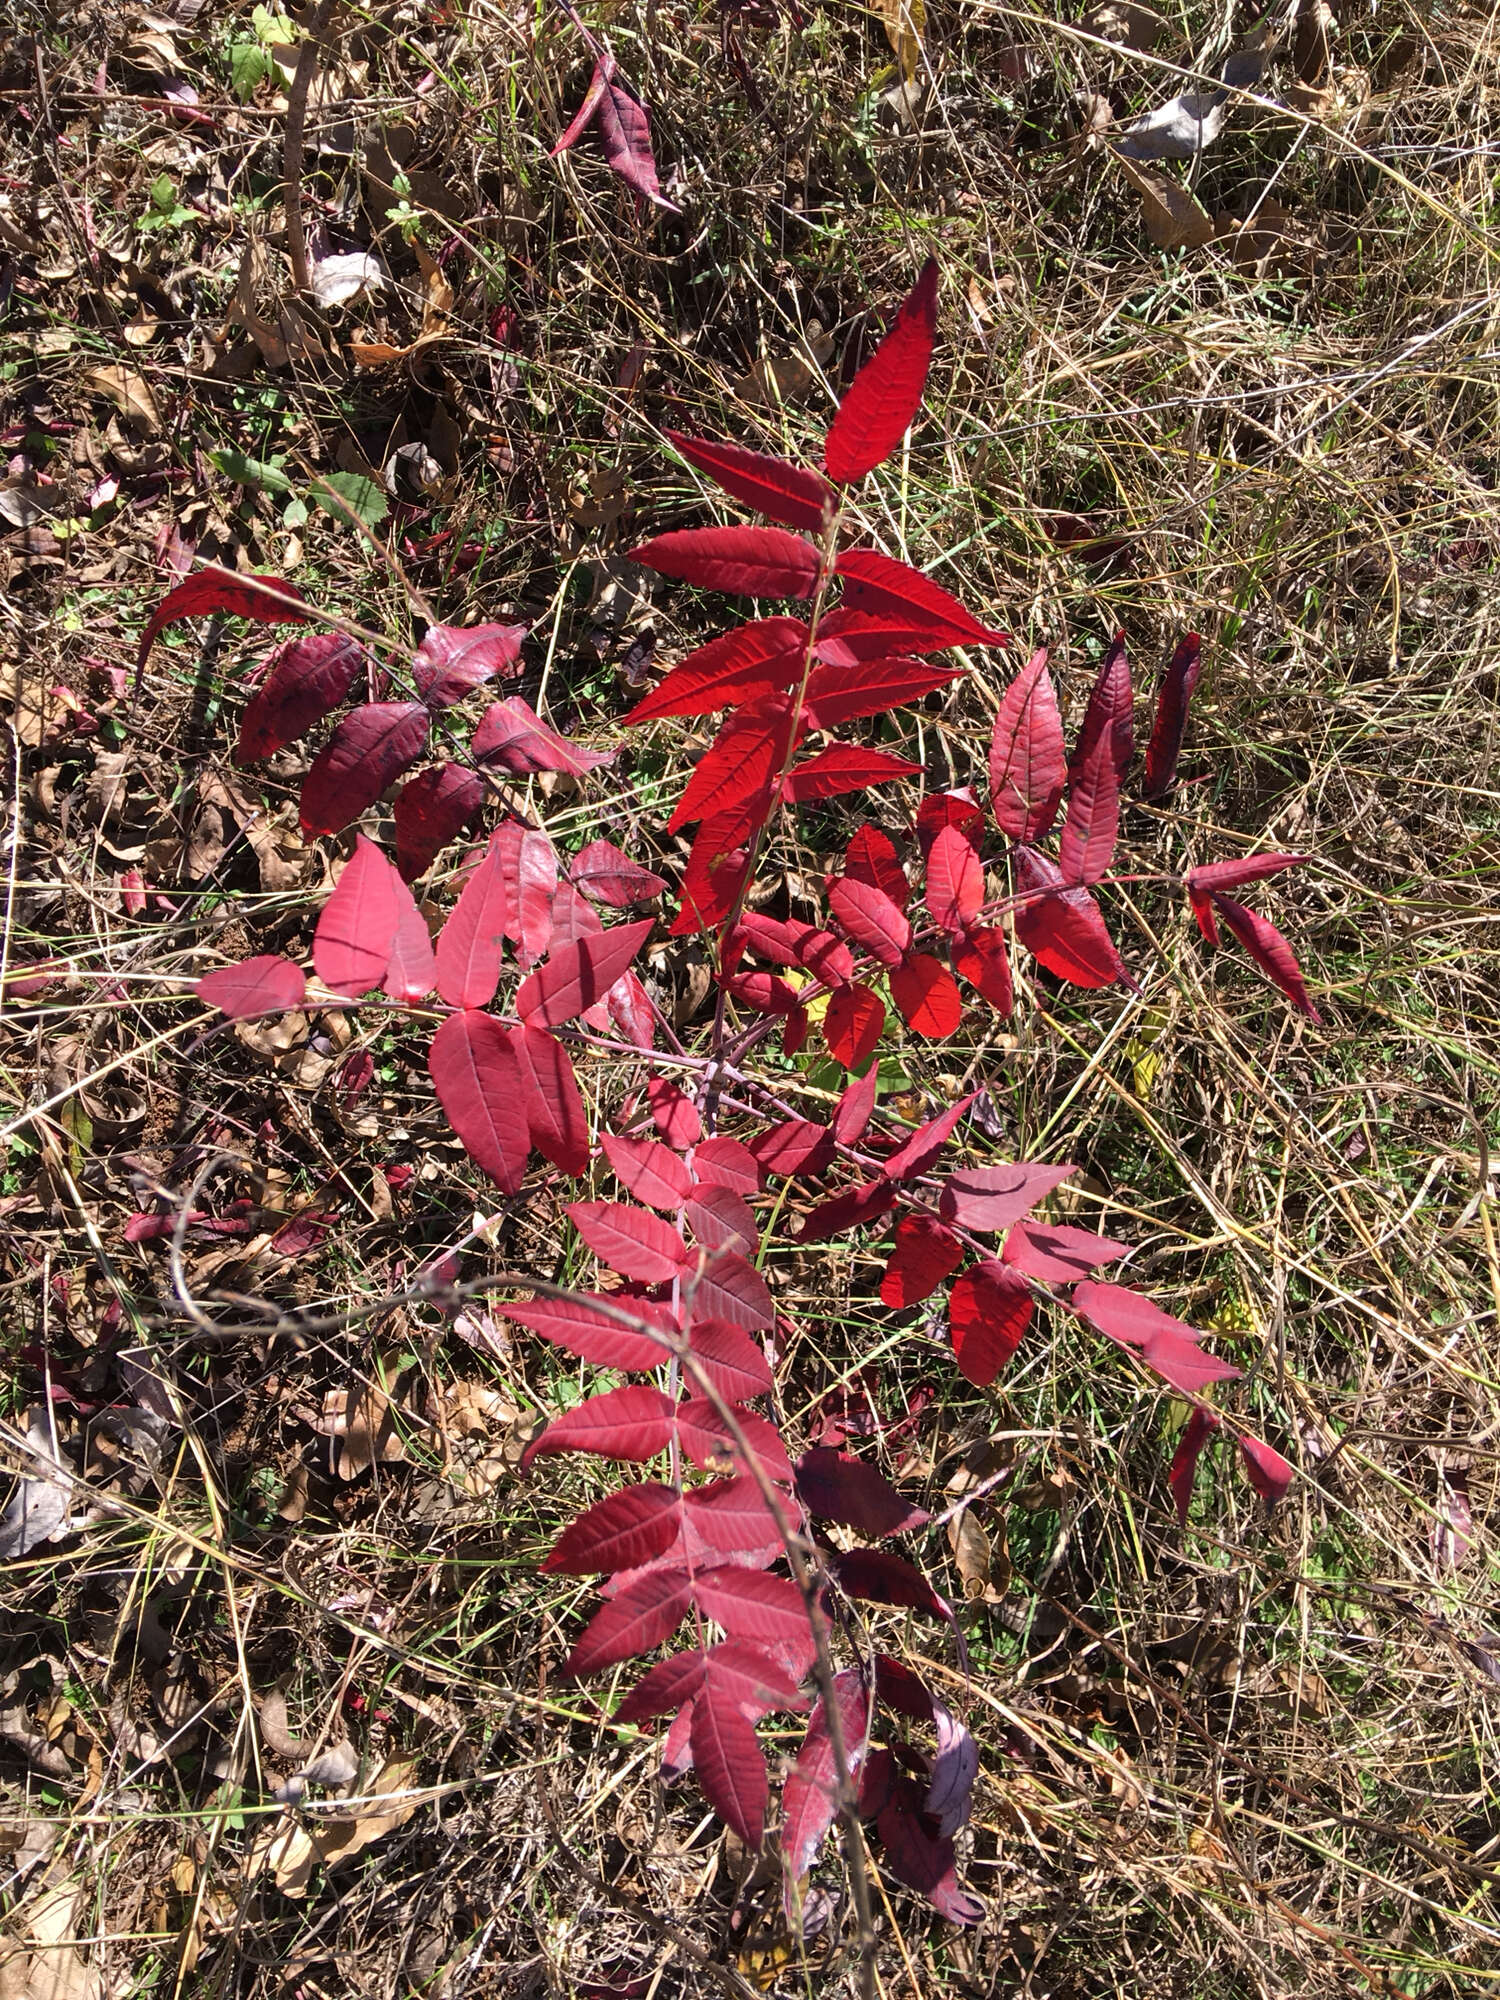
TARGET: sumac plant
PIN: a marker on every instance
(720, 1552)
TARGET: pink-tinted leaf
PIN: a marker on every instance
(1268, 948)
(1173, 697)
(849, 1209)
(142, 1228)
(579, 974)
(625, 132)
(677, 1751)
(453, 660)
(855, 1109)
(789, 941)
(1167, 1345)
(709, 1443)
(836, 695)
(629, 1240)
(602, 871)
(746, 562)
(871, 858)
(722, 1220)
(1108, 717)
(528, 865)
(649, 1171)
(843, 767)
(1063, 929)
(555, 1115)
(989, 1310)
(583, 117)
(512, 737)
(731, 1361)
(730, 1290)
(918, 1151)
(368, 751)
(411, 971)
(881, 585)
(810, 1799)
(628, 1528)
(472, 941)
(211, 590)
(1201, 1425)
(980, 957)
(631, 1011)
(925, 1253)
(796, 1146)
(1266, 1470)
(644, 1613)
(751, 1605)
(878, 1577)
(885, 395)
(674, 1114)
(955, 881)
(924, 1861)
(474, 1071)
(730, 1768)
(262, 985)
(992, 1198)
(583, 1324)
(954, 1769)
(727, 1163)
(1056, 1252)
(574, 918)
(358, 923)
(307, 679)
(432, 809)
(849, 638)
(835, 1486)
(926, 997)
(770, 485)
(1092, 825)
(631, 1423)
(1027, 759)
(871, 918)
(1233, 874)
(744, 665)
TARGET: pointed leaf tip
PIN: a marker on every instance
(886, 394)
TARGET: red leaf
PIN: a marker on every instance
(877, 1577)
(630, 1241)
(584, 115)
(924, 993)
(751, 1605)
(1093, 823)
(989, 1310)
(770, 485)
(843, 767)
(739, 666)
(512, 737)
(763, 992)
(746, 756)
(955, 881)
(846, 1210)
(1056, 1252)
(746, 562)
(856, 1108)
(628, 1528)
(981, 959)
(573, 918)
(471, 942)
(649, 1171)
(723, 1220)
(367, 752)
(880, 585)
(268, 598)
(625, 131)
(923, 1862)
(731, 1361)
(555, 1115)
(631, 1011)
(848, 638)
(1220, 875)
(432, 809)
(411, 970)
(602, 871)
(1064, 930)
(528, 864)
(727, 1163)
(1167, 1345)
(918, 1151)
(925, 1254)
(643, 1614)
(675, 1115)
(852, 1024)
(453, 660)
(835, 1486)
(307, 679)
(262, 985)
(1175, 694)
(731, 1515)
(631, 1423)
(871, 858)
(885, 395)
(731, 1291)
(579, 974)
(352, 943)
(809, 1802)
(664, 1688)
(709, 1444)
(1266, 1470)
(796, 1146)
(1109, 715)
(939, 810)
(730, 1768)
(992, 1198)
(836, 695)
(1184, 1464)
(474, 1071)
(715, 874)
(1027, 759)
(1269, 949)
(792, 942)
(871, 919)
(579, 1324)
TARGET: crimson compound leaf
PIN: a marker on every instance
(209, 590)
(989, 1310)
(453, 660)
(475, 1074)
(770, 485)
(1269, 949)
(432, 809)
(745, 562)
(1173, 698)
(367, 752)
(886, 394)
(306, 679)
(1027, 759)
(261, 985)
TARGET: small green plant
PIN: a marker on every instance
(251, 62)
(165, 211)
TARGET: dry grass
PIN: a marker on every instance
(1255, 1759)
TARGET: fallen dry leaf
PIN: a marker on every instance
(130, 393)
(292, 1852)
(1175, 219)
(1128, 22)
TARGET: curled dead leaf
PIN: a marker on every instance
(1175, 219)
(130, 393)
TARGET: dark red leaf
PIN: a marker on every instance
(746, 562)
(472, 941)
(209, 590)
(628, 1528)
(1027, 759)
(989, 1310)
(631, 1011)
(583, 117)
(432, 809)
(731, 1515)
(918, 1151)
(727, 1163)
(554, 1106)
(262, 985)
(796, 1146)
(885, 395)
(925, 1253)
(584, 1326)
(856, 1108)
(625, 132)
(744, 665)
(730, 1768)
(307, 679)
(1109, 715)
(1267, 1471)
(1092, 825)
(1220, 875)
(478, 1082)
(742, 765)
(715, 873)
(602, 871)
(940, 810)
(835, 1486)
(306, 1231)
(1167, 1345)
(770, 485)
(665, 1687)
(579, 974)
(789, 941)
(411, 971)
(843, 767)
(368, 751)
(1055, 1251)
(848, 638)
(675, 1115)
(1201, 1424)
(992, 1198)
(809, 1801)
(636, 1621)
(926, 997)
(871, 858)
(1173, 697)
(878, 1577)
(630, 1241)
(836, 695)
(512, 737)
(723, 1220)
(846, 1210)
(1269, 949)
(358, 924)
(731, 1291)
(649, 1171)
(924, 1861)
(453, 660)
(528, 864)
(955, 881)
(1064, 930)
(763, 992)
(881, 585)
(751, 1605)
(710, 1444)
(980, 957)
(870, 917)
(731, 1360)
(631, 1423)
